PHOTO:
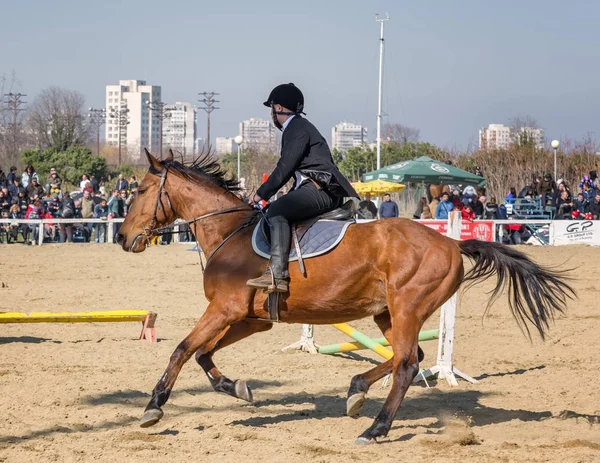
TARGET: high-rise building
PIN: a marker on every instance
(346, 135)
(259, 134)
(224, 145)
(179, 130)
(497, 136)
(143, 129)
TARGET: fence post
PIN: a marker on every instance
(41, 232)
(110, 228)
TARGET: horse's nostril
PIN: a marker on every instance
(120, 239)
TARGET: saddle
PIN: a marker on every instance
(312, 237)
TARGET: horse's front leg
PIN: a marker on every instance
(218, 317)
(234, 333)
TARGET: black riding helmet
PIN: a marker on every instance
(287, 95)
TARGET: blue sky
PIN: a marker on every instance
(451, 67)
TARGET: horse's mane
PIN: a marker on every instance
(205, 167)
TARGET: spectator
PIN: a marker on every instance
(467, 213)
(28, 175)
(5, 229)
(419, 211)
(10, 178)
(94, 184)
(512, 194)
(456, 199)
(388, 208)
(589, 192)
(84, 182)
(581, 208)
(2, 178)
(547, 187)
(366, 209)
(595, 206)
(123, 207)
(13, 190)
(595, 179)
(34, 212)
(133, 184)
(54, 206)
(100, 212)
(121, 183)
(479, 206)
(22, 201)
(15, 213)
(87, 212)
(586, 181)
(113, 210)
(53, 182)
(67, 212)
(491, 209)
(444, 207)
(468, 195)
(560, 187)
(564, 206)
(5, 201)
(478, 171)
(426, 212)
(502, 212)
(34, 188)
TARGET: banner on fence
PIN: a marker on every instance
(482, 230)
(576, 232)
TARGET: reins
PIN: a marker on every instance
(168, 229)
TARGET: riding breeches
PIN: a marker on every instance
(304, 203)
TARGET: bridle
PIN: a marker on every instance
(149, 230)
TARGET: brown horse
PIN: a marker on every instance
(395, 270)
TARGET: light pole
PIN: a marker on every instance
(121, 117)
(209, 106)
(238, 141)
(97, 118)
(161, 112)
(555, 144)
(381, 21)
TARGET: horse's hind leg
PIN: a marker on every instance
(211, 324)
(232, 334)
(360, 384)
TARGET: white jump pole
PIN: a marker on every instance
(444, 368)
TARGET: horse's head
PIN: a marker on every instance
(150, 209)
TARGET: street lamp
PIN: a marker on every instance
(238, 141)
(97, 118)
(161, 112)
(555, 144)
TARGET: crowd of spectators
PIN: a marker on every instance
(25, 196)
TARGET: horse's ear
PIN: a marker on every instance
(154, 163)
(170, 155)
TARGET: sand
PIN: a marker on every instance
(76, 392)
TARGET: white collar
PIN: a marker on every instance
(285, 124)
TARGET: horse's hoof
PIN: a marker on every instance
(364, 441)
(242, 391)
(354, 404)
(151, 417)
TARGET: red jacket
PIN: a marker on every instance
(467, 215)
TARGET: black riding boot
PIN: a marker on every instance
(278, 278)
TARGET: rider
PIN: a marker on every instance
(318, 187)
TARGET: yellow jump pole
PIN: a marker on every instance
(364, 340)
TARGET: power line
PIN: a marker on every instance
(209, 107)
(14, 102)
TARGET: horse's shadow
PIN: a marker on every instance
(436, 404)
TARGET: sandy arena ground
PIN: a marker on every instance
(76, 392)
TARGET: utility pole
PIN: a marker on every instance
(382, 21)
(161, 112)
(121, 117)
(14, 102)
(209, 107)
(97, 119)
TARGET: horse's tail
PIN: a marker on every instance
(535, 293)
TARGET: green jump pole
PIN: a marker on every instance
(426, 335)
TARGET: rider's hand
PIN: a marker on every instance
(255, 200)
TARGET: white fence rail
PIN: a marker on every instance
(560, 232)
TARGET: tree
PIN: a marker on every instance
(56, 119)
(12, 108)
(400, 133)
(70, 163)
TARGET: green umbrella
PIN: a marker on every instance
(424, 169)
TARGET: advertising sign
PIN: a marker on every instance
(482, 230)
(576, 232)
